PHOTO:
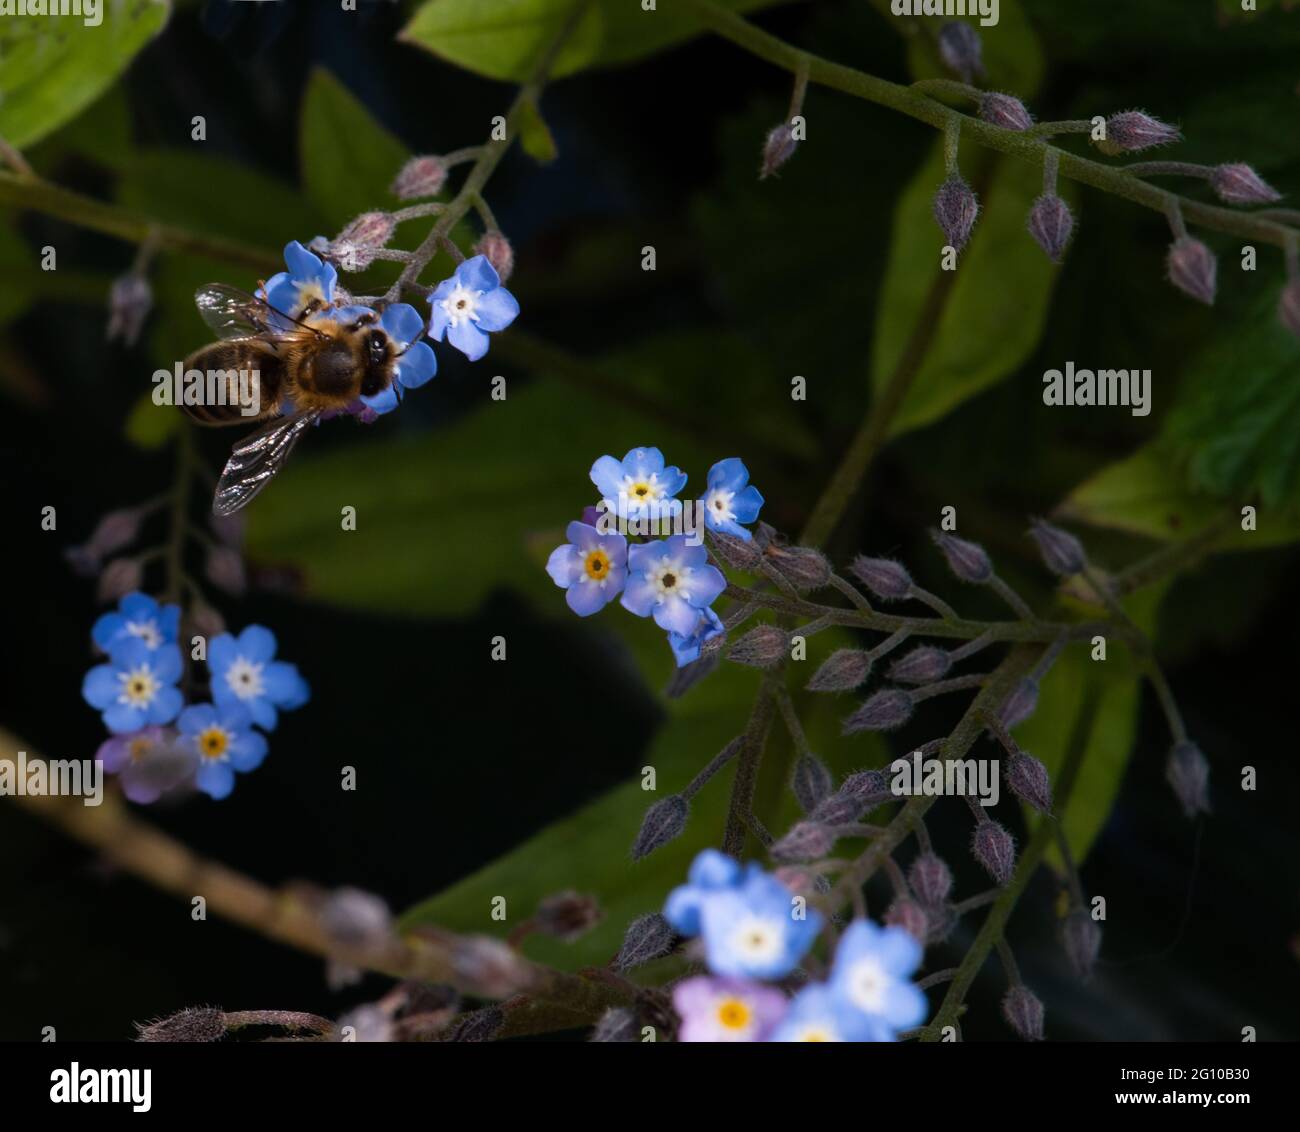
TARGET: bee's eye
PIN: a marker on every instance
(378, 347)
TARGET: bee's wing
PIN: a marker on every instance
(257, 458)
(232, 313)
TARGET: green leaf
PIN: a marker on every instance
(535, 135)
(348, 158)
(1146, 494)
(506, 39)
(996, 310)
(150, 426)
(54, 68)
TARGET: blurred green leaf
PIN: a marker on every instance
(996, 310)
(535, 135)
(506, 39)
(101, 133)
(150, 426)
(54, 68)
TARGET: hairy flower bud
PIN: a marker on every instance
(961, 50)
(1051, 223)
(1005, 111)
(224, 568)
(1193, 269)
(931, 879)
(887, 709)
(955, 211)
(968, 560)
(498, 251)
(1133, 130)
(355, 918)
(420, 177)
(617, 1024)
(887, 579)
(206, 621)
(1240, 184)
(1028, 780)
(1081, 938)
(910, 916)
(867, 788)
(567, 915)
(837, 809)
(487, 967)
(778, 148)
(801, 566)
(738, 553)
(663, 821)
(119, 578)
(1288, 306)
(477, 1026)
(923, 665)
(1024, 1013)
(115, 530)
(1189, 775)
(994, 849)
(1021, 704)
(811, 782)
(762, 647)
(129, 301)
(806, 841)
(842, 671)
(1061, 551)
(648, 937)
(197, 1024)
(371, 229)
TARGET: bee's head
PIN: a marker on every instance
(379, 354)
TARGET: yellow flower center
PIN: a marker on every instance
(213, 743)
(138, 687)
(138, 749)
(596, 564)
(733, 1014)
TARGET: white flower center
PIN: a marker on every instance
(147, 631)
(756, 939)
(719, 503)
(670, 579)
(461, 305)
(245, 678)
(139, 687)
(868, 982)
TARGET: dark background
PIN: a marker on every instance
(1202, 939)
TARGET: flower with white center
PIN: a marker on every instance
(672, 582)
(639, 486)
(872, 973)
(138, 617)
(757, 929)
(687, 648)
(814, 1015)
(469, 306)
(730, 499)
(710, 872)
(309, 282)
(726, 1010)
(224, 742)
(591, 567)
(245, 673)
(136, 687)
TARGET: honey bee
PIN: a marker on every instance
(303, 367)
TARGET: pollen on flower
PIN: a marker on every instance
(213, 742)
(733, 1013)
(147, 631)
(139, 687)
(596, 565)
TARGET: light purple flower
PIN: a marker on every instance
(726, 1010)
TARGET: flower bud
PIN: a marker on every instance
(961, 50)
(1061, 551)
(617, 1024)
(1051, 224)
(1240, 184)
(567, 915)
(1005, 111)
(738, 553)
(842, 671)
(923, 665)
(663, 821)
(206, 621)
(887, 709)
(762, 647)
(493, 246)
(867, 788)
(477, 1026)
(811, 782)
(887, 579)
(488, 968)
(968, 560)
(224, 568)
(930, 878)
(994, 849)
(119, 578)
(1021, 704)
(420, 177)
(837, 809)
(648, 937)
(1288, 306)
(1132, 131)
(1028, 780)
(955, 211)
(1193, 268)
(778, 148)
(910, 916)
(197, 1024)
(801, 566)
(370, 229)
(1189, 775)
(129, 301)
(352, 917)
(115, 530)
(1024, 1013)
(1081, 938)
(806, 841)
